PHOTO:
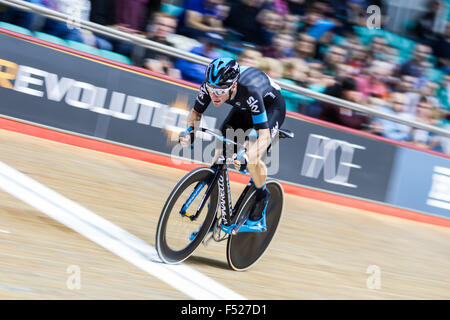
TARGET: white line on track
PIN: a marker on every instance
(106, 234)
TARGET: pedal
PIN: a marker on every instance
(228, 229)
(207, 239)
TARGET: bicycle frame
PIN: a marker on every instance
(226, 206)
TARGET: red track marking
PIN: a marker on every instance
(166, 160)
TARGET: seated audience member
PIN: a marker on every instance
(414, 66)
(336, 56)
(291, 23)
(427, 26)
(443, 93)
(276, 70)
(441, 48)
(296, 70)
(133, 14)
(375, 82)
(80, 9)
(391, 129)
(281, 7)
(282, 47)
(356, 14)
(243, 19)
(316, 24)
(201, 16)
(162, 25)
(307, 76)
(194, 72)
(426, 114)
(26, 19)
(377, 48)
(272, 67)
(272, 24)
(250, 57)
(346, 89)
(305, 47)
(297, 7)
(103, 12)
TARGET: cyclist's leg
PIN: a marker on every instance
(258, 171)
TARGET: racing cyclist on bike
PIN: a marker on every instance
(257, 104)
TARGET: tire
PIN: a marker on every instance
(246, 248)
(174, 230)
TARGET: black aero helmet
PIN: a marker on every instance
(222, 72)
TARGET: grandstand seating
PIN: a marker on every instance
(114, 56)
(15, 28)
(49, 38)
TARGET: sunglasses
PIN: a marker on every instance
(218, 91)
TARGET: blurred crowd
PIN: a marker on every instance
(323, 45)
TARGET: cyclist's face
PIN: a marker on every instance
(219, 97)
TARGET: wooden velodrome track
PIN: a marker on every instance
(321, 251)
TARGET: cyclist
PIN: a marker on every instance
(257, 105)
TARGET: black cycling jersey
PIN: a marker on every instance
(257, 94)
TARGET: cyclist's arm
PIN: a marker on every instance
(195, 115)
(193, 118)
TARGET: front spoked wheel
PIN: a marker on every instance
(245, 248)
(178, 234)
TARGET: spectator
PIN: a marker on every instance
(316, 76)
(425, 114)
(414, 66)
(242, 18)
(133, 13)
(442, 50)
(374, 84)
(276, 70)
(201, 16)
(272, 67)
(281, 7)
(26, 19)
(356, 12)
(291, 23)
(308, 76)
(305, 47)
(430, 91)
(340, 115)
(80, 9)
(282, 47)
(196, 72)
(296, 70)
(297, 7)
(271, 23)
(429, 25)
(443, 93)
(334, 57)
(378, 48)
(162, 25)
(250, 57)
(392, 55)
(316, 25)
(359, 57)
(390, 129)
(102, 12)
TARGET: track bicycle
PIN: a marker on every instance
(191, 214)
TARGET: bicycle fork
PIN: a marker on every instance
(198, 188)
